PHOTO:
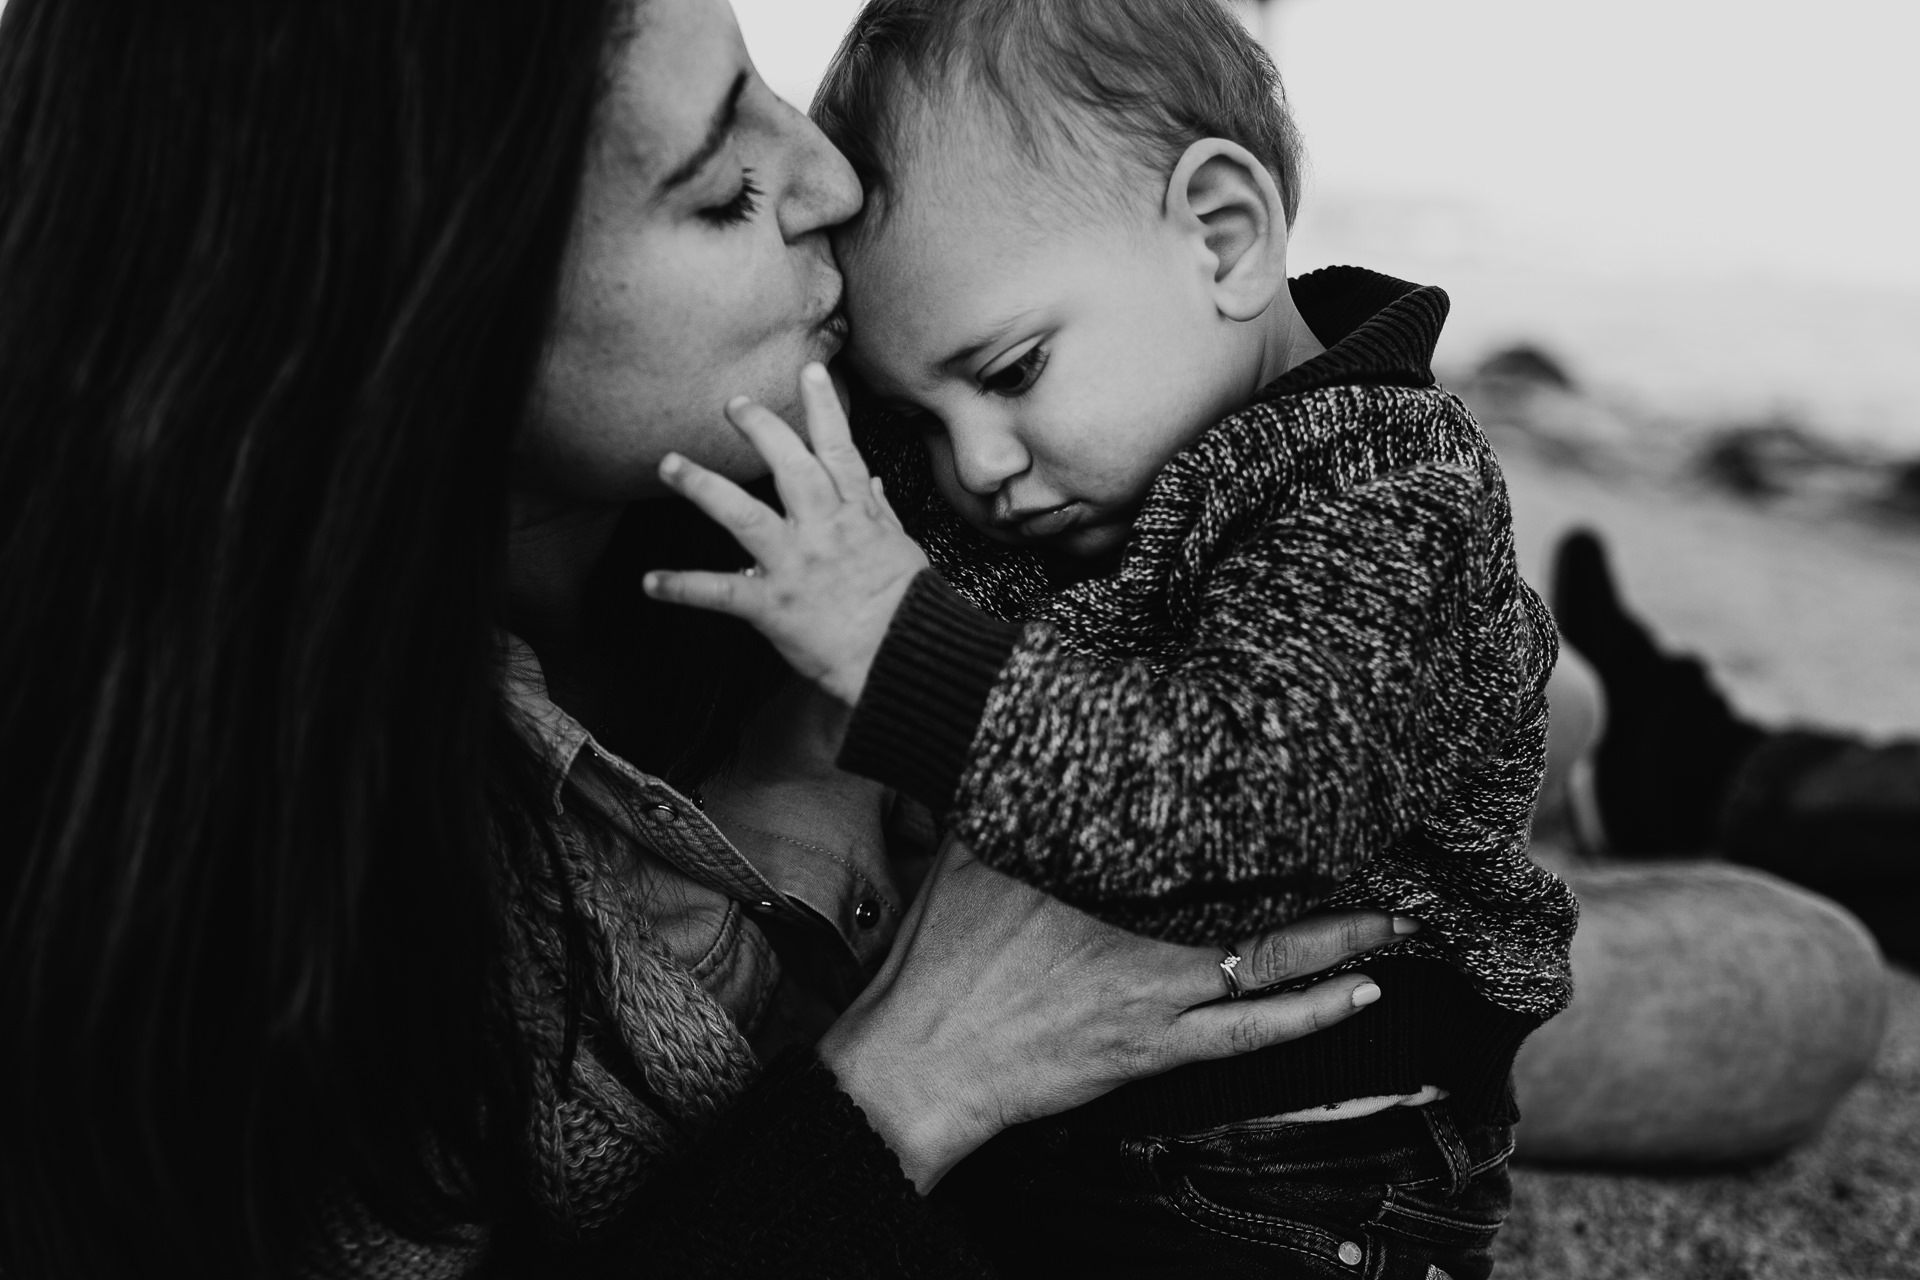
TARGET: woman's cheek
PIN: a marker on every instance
(778, 331)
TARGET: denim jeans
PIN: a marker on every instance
(1409, 1193)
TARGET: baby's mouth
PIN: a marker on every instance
(1044, 522)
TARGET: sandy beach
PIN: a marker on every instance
(1807, 619)
(1810, 619)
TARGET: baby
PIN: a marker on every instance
(1222, 622)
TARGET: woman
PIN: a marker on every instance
(336, 938)
(327, 345)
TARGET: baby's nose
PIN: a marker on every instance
(986, 456)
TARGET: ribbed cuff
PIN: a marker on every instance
(928, 687)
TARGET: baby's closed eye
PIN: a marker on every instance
(1017, 377)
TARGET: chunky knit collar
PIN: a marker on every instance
(1378, 331)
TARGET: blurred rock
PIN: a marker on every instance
(1780, 457)
(1530, 403)
(1526, 365)
(1757, 461)
(1524, 395)
(1903, 489)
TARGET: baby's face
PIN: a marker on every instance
(1052, 360)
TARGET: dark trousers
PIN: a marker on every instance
(1407, 1194)
(1840, 816)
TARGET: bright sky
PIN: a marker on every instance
(1763, 137)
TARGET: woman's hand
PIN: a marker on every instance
(828, 575)
(999, 1004)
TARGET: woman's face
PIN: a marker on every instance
(699, 267)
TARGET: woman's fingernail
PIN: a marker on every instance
(1405, 924)
(672, 465)
(738, 403)
(816, 373)
(1365, 994)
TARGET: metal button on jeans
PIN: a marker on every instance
(866, 913)
(1351, 1253)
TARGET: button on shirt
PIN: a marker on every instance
(799, 860)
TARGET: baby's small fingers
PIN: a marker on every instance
(729, 593)
(828, 433)
(806, 490)
(881, 509)
(757, 527)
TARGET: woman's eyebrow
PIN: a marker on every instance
(717, 131)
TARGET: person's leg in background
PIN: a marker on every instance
(1841, 817)
(1680, 771)
(1720, 1013)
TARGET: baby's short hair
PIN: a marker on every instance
(1155, 75)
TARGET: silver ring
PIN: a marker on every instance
(751, 571)
(1227, 967)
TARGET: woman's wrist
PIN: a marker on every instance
(913, 1114)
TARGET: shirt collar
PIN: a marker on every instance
(1377, 331)
(556, 737)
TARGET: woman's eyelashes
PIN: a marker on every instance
(907, 417)
(744, 204)
(1016, 379)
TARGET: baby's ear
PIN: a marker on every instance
(1224, 197)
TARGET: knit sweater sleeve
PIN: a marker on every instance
(1347, 661)
(792, 1182)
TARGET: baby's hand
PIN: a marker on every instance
(830, 575)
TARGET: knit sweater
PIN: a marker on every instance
(1314, 680)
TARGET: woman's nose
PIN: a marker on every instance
(823, 192)
(985, 456)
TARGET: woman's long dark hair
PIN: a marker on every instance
(274, 280)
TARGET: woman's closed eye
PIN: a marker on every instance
(907, 417)
(1017, 378)
(744, 204)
